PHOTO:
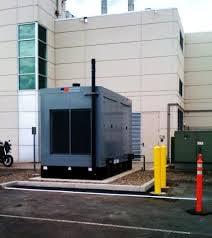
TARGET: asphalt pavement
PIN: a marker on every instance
(51, 214)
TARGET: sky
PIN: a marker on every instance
(196, 15)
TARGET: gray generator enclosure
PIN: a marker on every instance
(71, 145)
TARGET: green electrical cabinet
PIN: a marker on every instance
(187, 144)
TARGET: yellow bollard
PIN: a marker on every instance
(157, 169)
(163, 154)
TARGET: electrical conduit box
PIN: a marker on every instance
(187, 144)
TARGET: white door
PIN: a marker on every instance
(150, 132)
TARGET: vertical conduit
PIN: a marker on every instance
(57, 8)
(103, 6)
(169, 126)
(93, 115)
(131, 5)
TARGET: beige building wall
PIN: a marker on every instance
(43, 12)
(19, 109)
(138, 55)
(198, 79)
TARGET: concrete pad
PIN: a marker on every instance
(104, 181)
(60, 185)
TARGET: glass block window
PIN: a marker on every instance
(26, 31)
(42, 57)
(26, 56)
(32, 56)
(27, 81)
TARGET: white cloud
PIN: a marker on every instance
(84, 7)
(195, 14)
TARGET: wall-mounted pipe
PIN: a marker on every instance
(93, 115)
(57, 8)
(168, 126)
(103, 6)
(130, 5)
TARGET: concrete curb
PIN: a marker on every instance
(8, 184)
(109, 187)
(105, 181)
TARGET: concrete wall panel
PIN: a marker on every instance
(9, 120)
(160, 31)
(160, 65)
(8, 4)
(27, 14)
(155, 16)
(198, 64)
(166, 82)
(8, 17)
(198, 50)
(8, 83)
(105, 36)
(198, 78)
(106, 21)
(8, 49)
(8, 33)
(199, 37)
(156, 48)
(100, 52)
(8, 103)
(10, 66)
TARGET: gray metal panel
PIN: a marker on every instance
(116, 118)
(118, 113)
(136, 134)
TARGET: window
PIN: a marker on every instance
(180, 120)
(80, 131)
(27, 66)
(42, 57)
(27, 48)
(180, 87)
(59, 131)
(27, 31)
(32, 54)
(70, 131)
(181, 41)
(26, 54)
(27, 81)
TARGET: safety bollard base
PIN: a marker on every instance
(203, 213)
(159, 194)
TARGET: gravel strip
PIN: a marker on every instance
(7, 175)
(137, 178)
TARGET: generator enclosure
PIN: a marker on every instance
(66, 133)
(186, 146)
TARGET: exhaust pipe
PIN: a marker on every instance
(93, 115)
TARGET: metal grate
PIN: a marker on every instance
(136, 134)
